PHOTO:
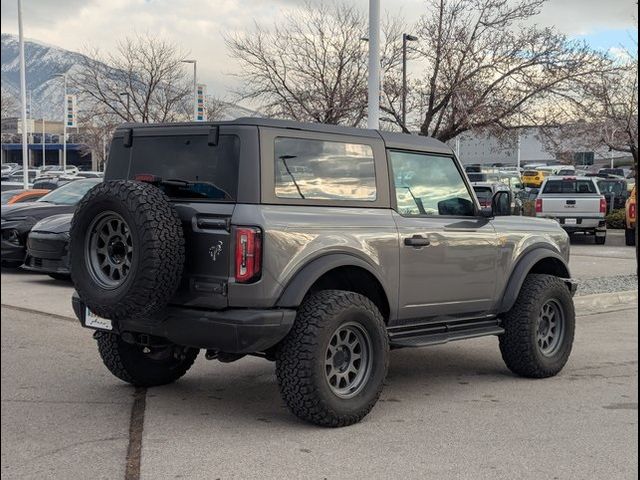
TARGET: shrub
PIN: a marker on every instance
(616, 219)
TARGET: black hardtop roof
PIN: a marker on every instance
(400, 141)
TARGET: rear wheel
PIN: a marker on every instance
(539, 329)
(144, 366)
(332, 364)
(601, 239)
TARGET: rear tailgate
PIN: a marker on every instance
(560, 205)
(570, 197)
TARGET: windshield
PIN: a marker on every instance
(570, 186)
(611, 187)
(71, 193)
(530, 173)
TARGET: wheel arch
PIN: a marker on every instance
(540, 260)
(338, 272)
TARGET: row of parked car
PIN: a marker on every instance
(578, 200)
(35, 224)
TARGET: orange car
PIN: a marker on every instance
(19, 196)
(630, 221)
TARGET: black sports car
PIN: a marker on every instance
(18, 219)
(48, 247)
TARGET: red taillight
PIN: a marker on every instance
(146, 178)
(248, 254)
(538, 205)
(603, 205)
(632, 211)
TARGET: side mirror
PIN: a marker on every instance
(486, 212)
(501, 203)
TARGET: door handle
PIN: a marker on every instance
(417, 241)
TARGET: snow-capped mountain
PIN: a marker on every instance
(42, 63)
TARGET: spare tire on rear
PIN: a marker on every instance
(127, 250)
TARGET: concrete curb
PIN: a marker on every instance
(605, 302)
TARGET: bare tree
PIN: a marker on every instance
(311, 66)
(97, 126)
(216, 108)
(9, 105)
(485, 71)
(143, 80)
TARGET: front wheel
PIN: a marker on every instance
(332, 364)
(144, 366)
(539, 328)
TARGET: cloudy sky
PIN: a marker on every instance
(198, 25)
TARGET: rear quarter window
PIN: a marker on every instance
(323, 170)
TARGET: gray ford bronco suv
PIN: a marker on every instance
(318, 247)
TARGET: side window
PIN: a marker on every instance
(428, 185)
(324, 170)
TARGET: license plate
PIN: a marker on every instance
(570, 221)
(94, 321)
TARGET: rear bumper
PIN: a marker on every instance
(229, 331)
(582, 224)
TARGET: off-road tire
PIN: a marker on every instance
(601, 240)
(518, 345)
(300, 359)
(158, 250)
(129, 363)
(629, 237)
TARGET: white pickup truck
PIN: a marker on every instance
(576, 203)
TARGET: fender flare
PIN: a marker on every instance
(296, 289)
(522, 269)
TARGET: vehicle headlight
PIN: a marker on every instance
(11, 235)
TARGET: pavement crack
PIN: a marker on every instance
(136, 426)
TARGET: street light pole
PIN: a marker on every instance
(195, 89)
(23, 95)
(128, 95)
(373, 111)
(405, 38)
(44, 152)
(64, 121)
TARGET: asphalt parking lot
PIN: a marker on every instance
(451, 411)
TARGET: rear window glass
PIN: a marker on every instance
(530, 173)
(570, 186)
(195, 169)
(324, 170)
(483, 193)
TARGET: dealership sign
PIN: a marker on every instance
(201, 113)
(71, 114)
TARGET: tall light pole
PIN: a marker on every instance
(44, 152)
(405, 38)
(23, 95)
(373, 112)
(128, 95)
(195, 89)
(518, 150)
(64, 121)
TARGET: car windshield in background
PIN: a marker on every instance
(483, 193)
(188, 166)
(71, 193)
(530, 173)
(608, 186)
(570, 186)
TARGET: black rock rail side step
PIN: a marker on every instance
(437, 332)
